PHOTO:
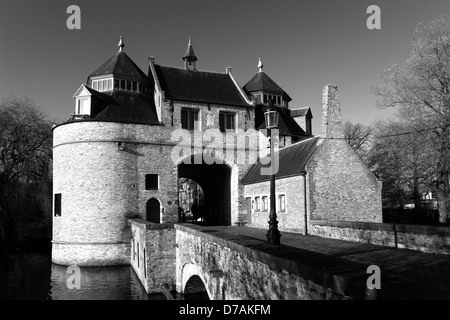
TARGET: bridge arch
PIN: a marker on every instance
(191, 272)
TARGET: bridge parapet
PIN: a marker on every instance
(235, 266)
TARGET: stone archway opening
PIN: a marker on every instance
(215, 182)
(195, 289)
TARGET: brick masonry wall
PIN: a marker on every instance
(232, 275)
(153, 254)
(292, 219)
(424, 238)
(341, 187)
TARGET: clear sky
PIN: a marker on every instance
(303, 44)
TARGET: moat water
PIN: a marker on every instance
(29, 274)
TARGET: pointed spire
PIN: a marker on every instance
(189, 58)
(260, 65)
(121, 44)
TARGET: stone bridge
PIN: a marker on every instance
(237, 263)
(234, 266)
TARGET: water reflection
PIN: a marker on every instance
(30, 275)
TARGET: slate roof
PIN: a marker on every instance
(121, 65)
(262, 82)
(121, 106)
(300, 112)
(286, 125)
(292, 161)
(129, 108)
(199, 86)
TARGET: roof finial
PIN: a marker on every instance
(121, 44)
(260, 65)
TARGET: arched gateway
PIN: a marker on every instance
(215, 180)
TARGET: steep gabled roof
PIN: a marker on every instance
(199, 86)
(292, 161)
(262, 82)
(121, 65)
(286, 125)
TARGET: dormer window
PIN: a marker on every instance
(83, 101)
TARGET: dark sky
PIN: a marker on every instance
(303, 44)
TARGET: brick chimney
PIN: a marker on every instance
(331, 113)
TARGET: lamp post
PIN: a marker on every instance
(271, 119)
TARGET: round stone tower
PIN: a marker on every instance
(95, 172)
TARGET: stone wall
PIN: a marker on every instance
(153, 254)
(234, 272)
(293, 218)
(424, 238)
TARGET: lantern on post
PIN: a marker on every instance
(271, 118)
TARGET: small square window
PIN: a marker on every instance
(189, 118)
(151, 182)
(226, 121)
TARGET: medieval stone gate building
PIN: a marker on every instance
(119, 157)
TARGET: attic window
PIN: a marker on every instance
(102, 85)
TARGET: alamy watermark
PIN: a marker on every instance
(74, 280)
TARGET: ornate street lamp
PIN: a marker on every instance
(271, 118)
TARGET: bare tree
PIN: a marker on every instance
(25, 156)
(359, 137)
(421, 88)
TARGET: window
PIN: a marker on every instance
(116, 84)
(122, 84)
(265, 98)
(189, 118)
(151, 182)
(226, 121)
(257, 204)
(278, 100)
(134, 86)
(282, 202)
(58, 205)
(95, 85)
(129, 85)
(265, 204)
